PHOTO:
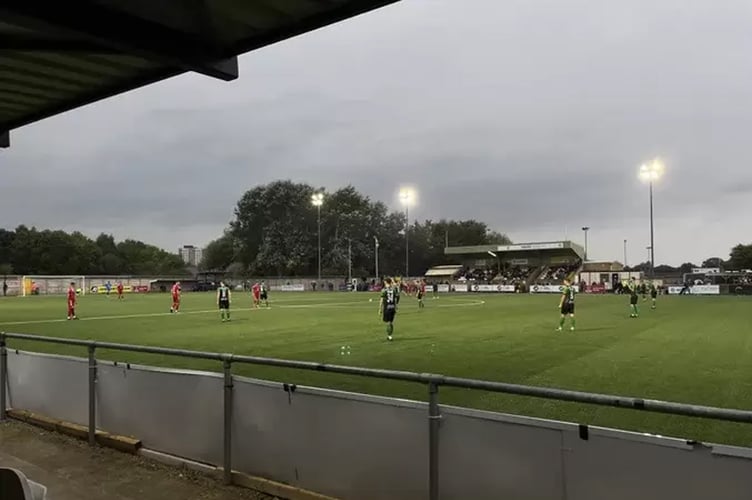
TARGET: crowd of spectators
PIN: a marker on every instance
(509, 275)
(555, 275)
(481, 275)
(514, 274)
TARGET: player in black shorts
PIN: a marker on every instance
(223, 301)
(264, 294)
(653, 294)
(388, 306)
(566, 305)
(633, 296)
(421, 293)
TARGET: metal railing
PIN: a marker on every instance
(432, 381)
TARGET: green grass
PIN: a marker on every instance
(691, 349)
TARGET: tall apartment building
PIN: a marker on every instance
(191, 255)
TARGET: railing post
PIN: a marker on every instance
(3, 375)
(92, 396)
(434, 417)
(227, 463)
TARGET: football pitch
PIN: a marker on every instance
(690, 349)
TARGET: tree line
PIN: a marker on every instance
(28, 251)
(740, 258)
(275, 232)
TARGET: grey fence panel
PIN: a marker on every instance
(346, 445)
(488, 455)
(55, 386)
(354, 446)
(623, 466)
(174, 411)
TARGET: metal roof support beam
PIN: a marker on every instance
(120, 31)
(36, 44)
(4, 139)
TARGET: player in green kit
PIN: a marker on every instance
(566, 304)
(223, 301)
(653, 294)
(634, 291)
(388, 306)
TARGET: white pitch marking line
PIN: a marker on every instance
(156, 315)
(207, 311)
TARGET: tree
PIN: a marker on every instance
(642, 267)
(348, 225)
(712, 262)
(5, 269)
(465, 232)
(686, 267)
(496, 238)
(6, 243)
(219, 254)
(665, 269)
(142, 259)
(106, 244)
(284, 203)
(275, 231)
(741, 257)
(111, 264)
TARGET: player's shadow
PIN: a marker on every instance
(411, 339)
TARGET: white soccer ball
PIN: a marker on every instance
(370, 300)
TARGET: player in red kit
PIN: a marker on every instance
(120, 290)
(175, 298)
(72, 301)
(256, 292)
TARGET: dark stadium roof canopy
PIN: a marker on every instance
(523, 250)
(59, 55)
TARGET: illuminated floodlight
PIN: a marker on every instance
(317, 199)
(407, 196)
(652, 171)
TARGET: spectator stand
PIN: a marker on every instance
(522, 265)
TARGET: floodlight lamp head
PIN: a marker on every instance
(407, 196)
(652, 171)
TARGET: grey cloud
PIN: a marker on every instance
(532, 116)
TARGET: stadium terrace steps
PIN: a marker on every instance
(533, 276)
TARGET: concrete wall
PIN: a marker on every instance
(360, 447)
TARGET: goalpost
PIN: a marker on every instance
(51, 285)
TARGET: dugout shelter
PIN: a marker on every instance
(57, 56)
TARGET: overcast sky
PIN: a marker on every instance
(531, 115)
